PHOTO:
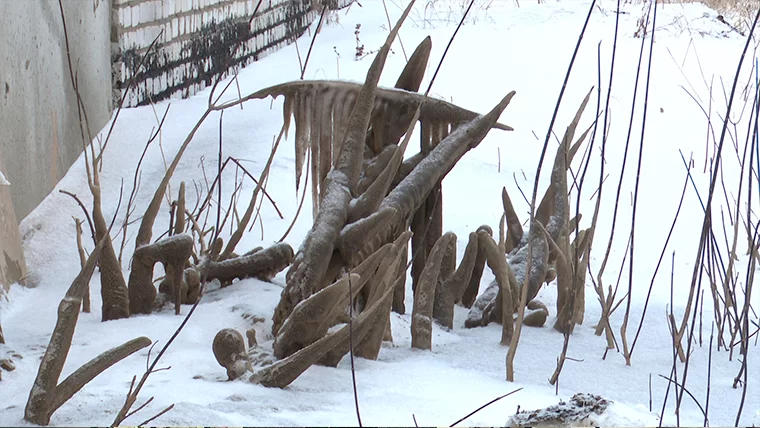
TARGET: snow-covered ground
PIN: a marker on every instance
(501, 48)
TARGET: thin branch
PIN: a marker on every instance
(624, 327)
(451, 40)
(319, 26)
(701, 409)
(86, 213)
(263, 188)
(485, 405)
(390, 26)
(351, 350)
(142, 406)
(146, 422)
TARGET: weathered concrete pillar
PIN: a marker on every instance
(12, 264)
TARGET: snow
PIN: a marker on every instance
(501, 48)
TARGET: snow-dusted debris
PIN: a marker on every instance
(579, 411)
(583, 410)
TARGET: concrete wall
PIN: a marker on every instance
(12, 265)
(197, 40)
(40, 135)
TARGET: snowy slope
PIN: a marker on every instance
(501, 48)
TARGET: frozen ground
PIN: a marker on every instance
(501, 48)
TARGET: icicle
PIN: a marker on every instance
(339, 108)
(302, 133)
(287, 110)
(314, 117)
(326, 135)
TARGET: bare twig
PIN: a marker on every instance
(82, 262)
(235, 238)
(136, 184)
(84, 209)
(709, 376)
(604, 322)
(147, 421)
(143, 405)
(624, 327)
(687, 392)
(319, 26)
(351, 351)
(451, 40)
(484, 406)
(388, 17)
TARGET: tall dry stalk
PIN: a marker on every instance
(624, 327)
(532, 223)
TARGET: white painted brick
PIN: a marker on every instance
(133, 38)
(135, 12)
(150, 34)
(146, 12)
(173, 30)
(124, 42)
(123, 18)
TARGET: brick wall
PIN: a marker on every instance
(198, 37)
